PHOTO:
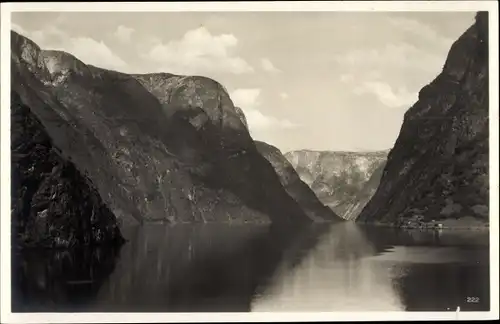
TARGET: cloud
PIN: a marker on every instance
(346, 78)
(199, 52)
(246, 98)
(383, 71)
(392, 56)
(419, 29)
(284, 95)
(85, 49)
(123, 33)
(268, 66)
(48, 36)
(95, 53)
(383, 91)
(249, 100)
(18, 29)
(386, 94)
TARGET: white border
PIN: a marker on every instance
(7, 8)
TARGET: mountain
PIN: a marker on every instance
(438, 168)
(157, 147)
(182, 93)
(363, 196)
(343, 181)
(293, 185)
(53, 205)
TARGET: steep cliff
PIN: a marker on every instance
(53, 205)
(294, 186)
(157, 146)
(205, 101)
(438, 168)
(341, 180)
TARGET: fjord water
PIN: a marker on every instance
(240, 268)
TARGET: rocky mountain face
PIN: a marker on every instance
(344, 181)
(293, 185)
(438, 168)
(53, 205)
(363, 196)
(158, 147)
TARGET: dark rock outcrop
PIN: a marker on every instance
(341, 180)
(438, 168)
(158, 147)
(53, 205)
(295, 187)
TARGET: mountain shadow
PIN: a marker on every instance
(53, 205)
(168, 268)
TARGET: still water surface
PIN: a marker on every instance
(218, 268)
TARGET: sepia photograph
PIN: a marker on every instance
(249, 161)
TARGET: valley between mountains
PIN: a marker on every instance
(94, 149)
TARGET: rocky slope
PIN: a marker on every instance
(157, 146)
(294, 186)
(341, 180)
(438, 168)
(53, 205)
(363, 196)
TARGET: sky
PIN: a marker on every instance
(305, 80)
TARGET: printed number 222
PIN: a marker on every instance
(473, 299)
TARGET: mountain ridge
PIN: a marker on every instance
(292, 183)
(193, 158)
(338, 177)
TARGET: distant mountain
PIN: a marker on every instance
(344, 181)
(438, 168)
(157, 147)
(363, 196)
(294, 186)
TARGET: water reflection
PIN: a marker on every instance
(335, 276)
(64, 280)
(437, 271)
(200, 267)
(205, 268)
(357, 268)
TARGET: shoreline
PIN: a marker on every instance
(429, 227)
